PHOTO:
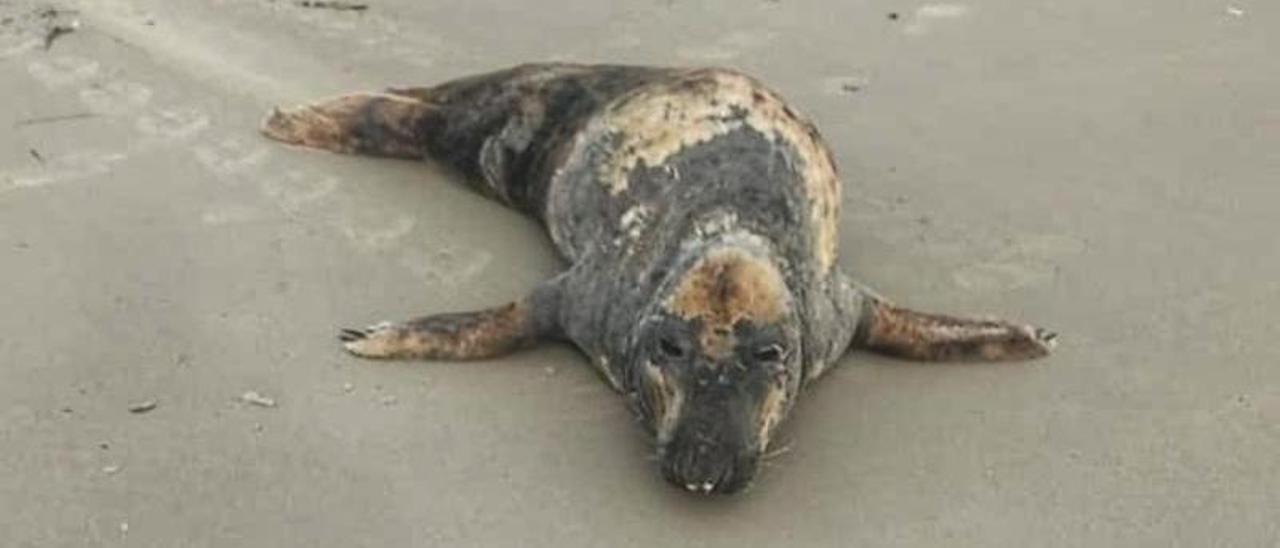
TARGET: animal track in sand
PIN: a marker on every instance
(296, 189)
(983, 258)
(63, 71)
(380, 235)
(116, 97)
(229, 214)
(231, 156)
(447, 266)
(60, 169)
(727, 47)
(12, 45)
(1025, 260)
(172, 123)
(928, 16)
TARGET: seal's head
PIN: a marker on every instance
(716, 363)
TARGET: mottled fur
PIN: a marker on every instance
(698, 214)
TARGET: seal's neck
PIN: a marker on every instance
(720, 228)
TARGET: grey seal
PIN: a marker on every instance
(696, 212)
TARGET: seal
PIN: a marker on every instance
(697, 215)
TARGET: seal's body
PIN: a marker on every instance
(698, 214)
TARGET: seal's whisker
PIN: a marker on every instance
(776, 453)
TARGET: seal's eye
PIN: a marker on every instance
(769, 354)
(669, 349)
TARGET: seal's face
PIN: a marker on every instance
(718, 363)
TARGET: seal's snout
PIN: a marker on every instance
(703, 464)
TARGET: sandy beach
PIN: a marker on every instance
(1110, 170)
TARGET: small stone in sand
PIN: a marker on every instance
(110, 469)
(254, 398)
(143, 406)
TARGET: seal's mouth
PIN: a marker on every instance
(705, 468)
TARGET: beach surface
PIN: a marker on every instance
(171, 283)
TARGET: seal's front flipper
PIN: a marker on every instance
(896, 331)
(473, 335)
(456, 336)
(362, 123)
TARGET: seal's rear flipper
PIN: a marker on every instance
(495, 128)
(888, 329)
(473, 335)
(363, 123)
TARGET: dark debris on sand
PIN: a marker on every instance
(336, 5)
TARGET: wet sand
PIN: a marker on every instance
(1105, 169)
